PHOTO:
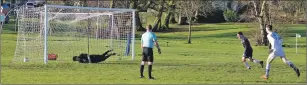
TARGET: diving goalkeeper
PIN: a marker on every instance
(82, 58)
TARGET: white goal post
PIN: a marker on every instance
(68, 31)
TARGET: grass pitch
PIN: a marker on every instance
(214, 57)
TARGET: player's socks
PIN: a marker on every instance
(149, 71)
(261, 62)
(141, 71)
(297, 71)
(247, 65)
(291, 64)
(267, 70)
(256, 61)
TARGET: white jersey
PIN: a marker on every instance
(276, 44)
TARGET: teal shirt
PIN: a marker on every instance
(148, 39)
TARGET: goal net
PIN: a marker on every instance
(68, 31)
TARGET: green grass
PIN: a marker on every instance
(214, 57)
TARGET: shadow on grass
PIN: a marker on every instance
(196, 29)
(119, 63)
(221, 35)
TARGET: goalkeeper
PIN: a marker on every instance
(83, 58)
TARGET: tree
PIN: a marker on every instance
(134, 5)
(170, 15)
(191, 8)
(294, 9)
(259, 8)
(157, 24)
(68, 3)
(159, 6)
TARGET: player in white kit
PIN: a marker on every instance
(276, 50)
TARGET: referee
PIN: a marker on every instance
(147, 43)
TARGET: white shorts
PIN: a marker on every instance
(280, 53)
(275, 54)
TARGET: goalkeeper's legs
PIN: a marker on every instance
(105, 53)
(106, 56)
(285, 60)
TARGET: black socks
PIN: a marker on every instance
(141, 70)
(149, 70)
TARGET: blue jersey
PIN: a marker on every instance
(148, 39)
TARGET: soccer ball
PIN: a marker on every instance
(25, 59)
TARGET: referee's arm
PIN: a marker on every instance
(157, 44)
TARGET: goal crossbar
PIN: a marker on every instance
(92, 8)
(93, 15)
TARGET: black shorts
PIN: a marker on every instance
(147, 54)
(248, 54)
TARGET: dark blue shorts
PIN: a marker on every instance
(248, 54)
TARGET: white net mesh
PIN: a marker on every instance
(72, 31)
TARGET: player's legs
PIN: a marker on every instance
(285, 60)
(268, 65)
(251, 59)
(246, 55)
(256, 61)
(245, 62)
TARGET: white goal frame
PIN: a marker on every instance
(114, 10)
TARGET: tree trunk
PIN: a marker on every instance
(172, 9)
(156, 24)
(189, 37)
(169, 16)
(263, 32)
(172, 18)
(179, 19)
(84, 3)
(195, 18)
(259, 13)
(133, 5)
(166, 21)
(112, 4)
(138, 22)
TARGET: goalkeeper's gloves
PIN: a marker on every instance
(159, 51)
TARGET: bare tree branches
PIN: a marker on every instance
(191, 9)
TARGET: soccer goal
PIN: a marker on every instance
(68, 31)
